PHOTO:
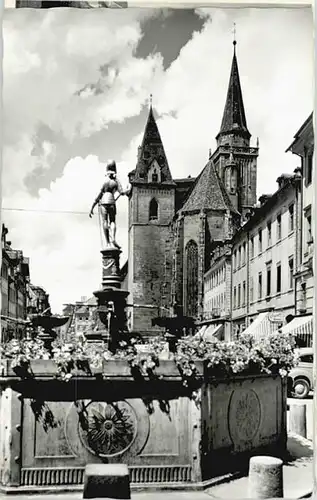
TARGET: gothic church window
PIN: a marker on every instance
(153, 215)
(154, 176)
(192, 279)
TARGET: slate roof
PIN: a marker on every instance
(234, 119)
(151, 149)
(208, 193)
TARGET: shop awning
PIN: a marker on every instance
(301, 327)
(261, 326)
(210, 332)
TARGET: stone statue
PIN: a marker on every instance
(107, 203)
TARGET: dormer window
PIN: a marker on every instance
(154, 173)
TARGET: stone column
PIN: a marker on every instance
(265, 477)
(111, 301)
(297, 419)
(196, 437)
(11, 426)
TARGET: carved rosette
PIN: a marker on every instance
(244, 416)
(108, 429)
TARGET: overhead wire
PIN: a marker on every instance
(11, 209)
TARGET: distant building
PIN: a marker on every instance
(264, 259)
(15, 277)
(174, 223)
(267, 267)
(217, 293)
(37, 300)
(303, 146)
(83, 317)
(19, 297)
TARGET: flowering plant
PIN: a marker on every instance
(273, 354)
(143, 359)
(79, 355)
(21, 352)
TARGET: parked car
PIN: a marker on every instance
(301, 379)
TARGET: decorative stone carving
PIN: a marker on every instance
(244, 415)
(111, 267)
(108, 429)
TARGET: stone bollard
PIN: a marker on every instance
(107, 481)
(265, 477)
(297, 420)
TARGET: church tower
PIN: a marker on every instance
(151, 209)
(234, 158)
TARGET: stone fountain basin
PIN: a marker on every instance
(48, 322)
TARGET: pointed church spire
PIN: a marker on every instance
(151, 154)
(234, 120)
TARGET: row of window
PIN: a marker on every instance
(216, 278)
(239, 291)
(240, 255)
(217, 302)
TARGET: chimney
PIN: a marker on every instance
(283, 179)
(264, 198)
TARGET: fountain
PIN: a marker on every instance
(149, 421)
(46, 322)
(111, 301)
(176, 326)
(110, 298)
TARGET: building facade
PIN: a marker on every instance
(264, 258)
(83, 318)
(303, 146)
(217, 292)
(175, 223)
(19, 297)
(37, 300)
(15, 278)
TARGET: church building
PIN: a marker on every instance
(174, 223)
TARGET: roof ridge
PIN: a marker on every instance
(208, 192)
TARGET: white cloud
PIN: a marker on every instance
(276, 74)
(61, 54)
(64, 248)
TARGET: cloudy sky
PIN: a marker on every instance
(76, 92)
